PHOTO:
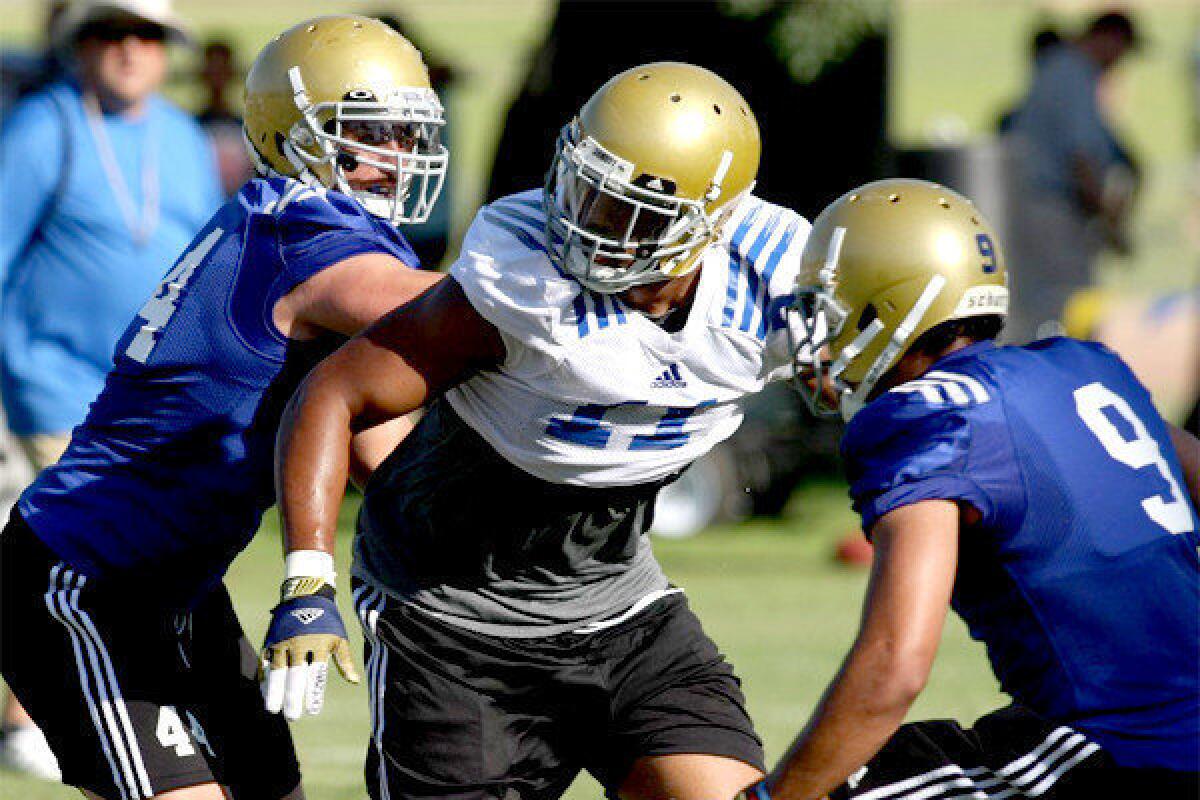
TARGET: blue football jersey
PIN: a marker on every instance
(167, 478)
(1082, 576)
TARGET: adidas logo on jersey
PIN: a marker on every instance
(670, 379)
(308, 616)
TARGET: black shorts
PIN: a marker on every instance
(135, 699)
(1012, 753)
(458, 714)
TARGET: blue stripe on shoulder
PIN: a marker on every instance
(528, 239)
(776, 316)
(780, 248)
(521, 234)
(531, 232)
(581, 315)
(735, 265)
(536, 203)
(600, 303)
(770, 306)
(753, 280)
(521, 213)
(606, 309)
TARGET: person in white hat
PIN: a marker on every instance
(103, 182)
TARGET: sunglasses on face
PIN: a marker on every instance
(113, 31)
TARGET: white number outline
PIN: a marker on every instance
(165, 301)
(171, 732)
(1174, 514)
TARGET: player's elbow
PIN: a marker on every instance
(907, 679)
(901, 674)
(321, 397)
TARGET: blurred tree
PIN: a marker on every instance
(813, 71)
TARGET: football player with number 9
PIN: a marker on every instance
(1034, 489)
(118, 634)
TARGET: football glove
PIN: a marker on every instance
(306, 629)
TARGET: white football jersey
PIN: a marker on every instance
(593, 393)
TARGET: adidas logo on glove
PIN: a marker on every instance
(308, 616)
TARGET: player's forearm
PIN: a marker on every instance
(1187, 447)
(312, 464)
(860, 711)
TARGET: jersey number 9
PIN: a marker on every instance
(1171, 512)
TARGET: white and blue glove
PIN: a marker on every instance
(306, 629)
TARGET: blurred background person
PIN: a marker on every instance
(102, 182)
(1076, 180)
(1044, 40)
(217, 73)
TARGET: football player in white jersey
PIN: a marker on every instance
(593, 339)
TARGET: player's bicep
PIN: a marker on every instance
(411, 355)
(912, 577)
(347, 297)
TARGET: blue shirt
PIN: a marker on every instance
(71, 274)
(1061, 118)
(167, 478)
(1082, 577)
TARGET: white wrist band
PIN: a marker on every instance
(309, 564)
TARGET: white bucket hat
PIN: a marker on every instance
(80, 13)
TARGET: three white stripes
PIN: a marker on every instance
(370, 603)
(97, 678)
(939, 387)
(119, 743)
(1018, 777)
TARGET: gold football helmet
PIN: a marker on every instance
(647, 173)
(883, 264)
(335, 91)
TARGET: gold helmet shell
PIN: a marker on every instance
(327, 74)
(885, 263)
(645, 175)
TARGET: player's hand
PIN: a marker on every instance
(306, 629)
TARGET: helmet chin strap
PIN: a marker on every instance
(852, 401)
(294, 157)
(851, 352)
(261, 167)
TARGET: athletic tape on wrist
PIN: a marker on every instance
(310, 564)
(308, 572)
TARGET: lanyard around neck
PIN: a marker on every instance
(140, 226)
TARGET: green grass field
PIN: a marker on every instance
(767, 591)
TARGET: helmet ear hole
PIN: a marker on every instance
(868, 316)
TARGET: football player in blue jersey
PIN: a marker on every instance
(118, 634)
(1033, 489)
